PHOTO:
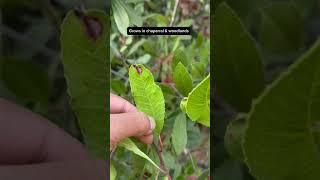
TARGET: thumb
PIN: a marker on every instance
(125, 125)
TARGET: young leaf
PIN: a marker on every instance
(182, 79)
(237, 64)
(129, 145)
(179, 56)
(279, 142)
(147, 94)
(120, 16)
(179, 134)
(85, 61)
(198, 103)
(113, 172)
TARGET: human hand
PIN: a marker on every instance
(32, 148)
(127, 121)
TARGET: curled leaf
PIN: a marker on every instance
(198, 103)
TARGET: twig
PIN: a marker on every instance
(157, 176)
(162, 164)
(174, 13)
(159, 152)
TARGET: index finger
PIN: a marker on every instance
(120, 105)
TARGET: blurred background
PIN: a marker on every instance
(31, 73)
(283, 30)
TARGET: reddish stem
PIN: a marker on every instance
(162, 164)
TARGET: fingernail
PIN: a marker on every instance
(152, 123)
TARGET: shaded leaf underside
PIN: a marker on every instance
(86, 71)
(236, 64)
(279, 143)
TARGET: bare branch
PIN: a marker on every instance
(174, 13)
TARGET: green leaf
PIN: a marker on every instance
(198, 70)
(129, 145)
(199, 41)
(86, 69)
(282, 22)
(147, 94)
(129, 40)
(118, 87)
(161, 20)
(186, 23)
(237, 63)
(120, 16)
(134, 18)
(198, 103)
(26, 80)
(179, 56)
(176, 43)
(169, 160)
(148, 48)
(143, 59)
(183, 104)
(279, 142)
(182, 79)
(136, 46)
(113, 172)
(177, 172)
(179, 133)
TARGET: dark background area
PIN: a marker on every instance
(283, 30)
(31, 73)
